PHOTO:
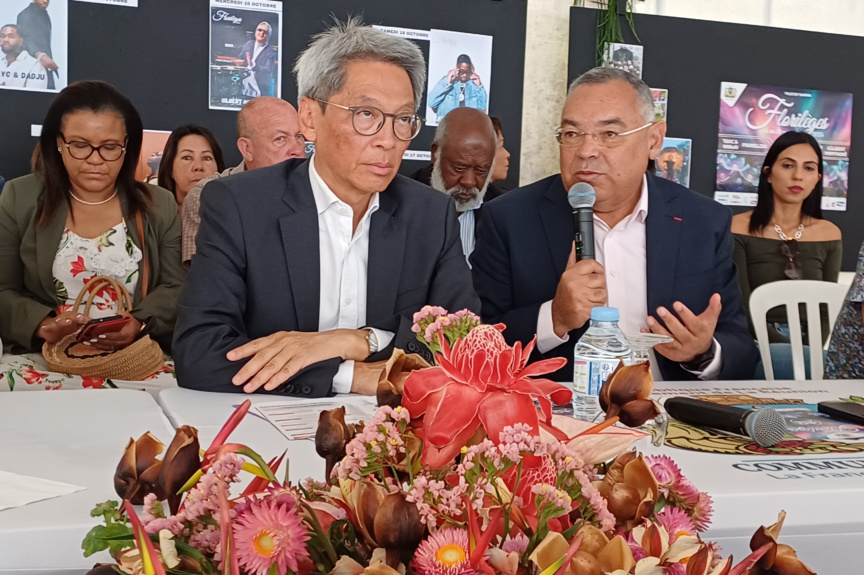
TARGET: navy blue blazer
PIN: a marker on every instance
(256, 271)
(524, 240)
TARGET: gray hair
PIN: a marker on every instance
(320, 69)
(606, 75)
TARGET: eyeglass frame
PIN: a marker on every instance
(384, 114)
(97, 149)
(793, 266)
(559, 131)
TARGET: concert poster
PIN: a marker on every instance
(673, 162)
(34, 42)
(245, 44)
(460, 73)
(752, 117)
(661, 102)
(152, 146)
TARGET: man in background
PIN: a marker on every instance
(268, 133)
(262, 58)
(460, 88)
(463, 154)
(34, 25)
(18, 69)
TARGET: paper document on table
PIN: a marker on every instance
(299, 419)
(19, 490)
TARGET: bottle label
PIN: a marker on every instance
(589, 376)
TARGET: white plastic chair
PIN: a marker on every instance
(790, 293)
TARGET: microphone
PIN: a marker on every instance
(764, 426)
(581, 198)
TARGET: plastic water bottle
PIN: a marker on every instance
(596, 356)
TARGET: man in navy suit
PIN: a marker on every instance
(663, 252)
(307, 273)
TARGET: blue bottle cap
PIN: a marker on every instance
(604, 314)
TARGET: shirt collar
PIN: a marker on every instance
(639, 213)
(324, 196)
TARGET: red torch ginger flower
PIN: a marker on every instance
(480, 380)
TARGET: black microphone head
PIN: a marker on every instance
(581, 195)
(766, 426)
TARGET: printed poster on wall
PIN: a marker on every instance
(673, 162)
(34, 41)
(245, 40)
(751, 118)
(460, 69)
(151, 155)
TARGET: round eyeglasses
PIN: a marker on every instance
(368, 121)
(110, 152)
(606, 138)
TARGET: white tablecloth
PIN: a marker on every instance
(824, 498)
(825, 521)
(76, 437)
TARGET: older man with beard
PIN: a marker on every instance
(463, 154)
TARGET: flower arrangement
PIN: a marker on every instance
(497, 485)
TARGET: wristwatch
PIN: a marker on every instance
(372, 340)
(702, 361)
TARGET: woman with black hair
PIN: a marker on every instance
(83, 215)
(191, 154)
(785, 236)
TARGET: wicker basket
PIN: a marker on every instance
(135, 362)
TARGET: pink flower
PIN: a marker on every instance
(268, 532)
(702, 512)
(443, 553)
(516, 544)
(664, 469)
(676, 522)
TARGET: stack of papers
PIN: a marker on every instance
(299, 419)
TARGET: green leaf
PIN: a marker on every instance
(114, 537)
(105, 509)
(62, 292)
(11, 380)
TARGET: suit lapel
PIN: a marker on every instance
(662, 233)
(387, 236)
(47, 244)
(300, 241)
(557, 221)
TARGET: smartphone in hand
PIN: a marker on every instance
(95, 328)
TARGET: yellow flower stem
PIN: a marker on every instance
(191, 483)
(145, 556)
(254, 470)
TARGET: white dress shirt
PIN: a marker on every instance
(344, 256)
(24, 72)
(256, 50)
(622, 251)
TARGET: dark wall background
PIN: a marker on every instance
(691, 57)
(158, 55)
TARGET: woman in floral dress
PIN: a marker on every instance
(76, 219)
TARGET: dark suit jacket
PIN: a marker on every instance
(35, 25)
(256, 271)
(524, 240)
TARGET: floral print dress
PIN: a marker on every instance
(79, 260)
(845, 357)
